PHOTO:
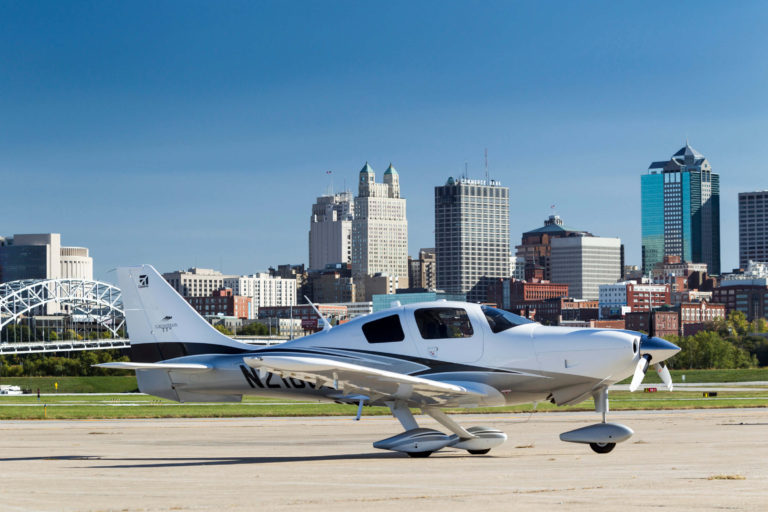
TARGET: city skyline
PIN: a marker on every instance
(128, 143)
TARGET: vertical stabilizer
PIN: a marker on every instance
(161, 323)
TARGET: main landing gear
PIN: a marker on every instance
(421, 442)
(601, 437)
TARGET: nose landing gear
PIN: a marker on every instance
(601, 437)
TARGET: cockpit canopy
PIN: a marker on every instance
(500, 320)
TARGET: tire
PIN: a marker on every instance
(602, 447)
(419, 455)
(479, 452)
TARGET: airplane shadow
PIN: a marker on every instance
(171, 462)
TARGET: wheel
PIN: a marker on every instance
(479, 452)
(419, 455)
(602, 447)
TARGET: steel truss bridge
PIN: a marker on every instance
(84, 302)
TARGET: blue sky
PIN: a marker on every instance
(199, 133)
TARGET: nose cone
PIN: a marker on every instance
(659, 349)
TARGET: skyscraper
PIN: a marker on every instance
(471, 235)
(380, 228)
(753, 227)
(535, 248)
(584, 263)
(330, 230)
(681, 211)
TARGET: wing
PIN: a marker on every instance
(185, 367)
(354, 381)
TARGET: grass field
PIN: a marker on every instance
(122, 384)
(143, 406)
(112, 405)
(127, 383)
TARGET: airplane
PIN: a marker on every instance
(428, 356)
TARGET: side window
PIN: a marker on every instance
(384, 330)
(440, 323)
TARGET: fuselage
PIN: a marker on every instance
(443, 341)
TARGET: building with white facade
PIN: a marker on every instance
(76, 263)
(330, 230)
(263, 289)
(584, 263)
(41, 256)
(618, 299)
(471, 236)
(753, 227)
(196, 282)
(517, 267)
(380, 229)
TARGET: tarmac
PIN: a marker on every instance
(677, 460)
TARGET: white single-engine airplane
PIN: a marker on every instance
(429, 356)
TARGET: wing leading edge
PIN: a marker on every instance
(378, 385)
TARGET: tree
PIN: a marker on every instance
(253, 329)
(737, 320)
(706, 349)
(222, 329)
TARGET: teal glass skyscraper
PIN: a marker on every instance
(681, 211)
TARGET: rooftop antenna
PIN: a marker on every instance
(486, 166)
(466, 170)
(330, 173)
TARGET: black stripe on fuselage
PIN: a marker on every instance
(153, 352)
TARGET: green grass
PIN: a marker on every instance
(113, 384)
(143, 406)
(740, 375)
(127, 383)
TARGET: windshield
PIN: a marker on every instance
(501, 320)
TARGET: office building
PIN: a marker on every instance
(333, 284)
(379, 230)
(680, 205)
(584, 263)
(509, 293)
(471, 236)
(222, 303)
(753, 227)
(621, 298)
(196, 282)
(746, 292)
(422, 272)
(330, 230)
(41, 256)
(262, 288)
(535, 248)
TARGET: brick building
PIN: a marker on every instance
(666, 323)
(309, 320)
(536, 249)
(222, 302)
(746, 292)
(556, 310)
(695, 315)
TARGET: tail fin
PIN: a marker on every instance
(161, 323)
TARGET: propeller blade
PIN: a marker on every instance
(640, 369)
(663, 371)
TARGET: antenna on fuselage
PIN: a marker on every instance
(326, 324)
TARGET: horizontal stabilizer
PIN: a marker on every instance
(127, 365)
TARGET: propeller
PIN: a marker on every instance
(663, 371)
(640, 369)
(653, 348)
